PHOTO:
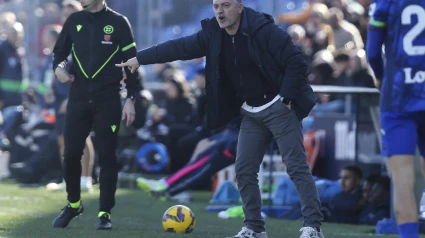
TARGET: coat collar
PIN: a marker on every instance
(251, 21)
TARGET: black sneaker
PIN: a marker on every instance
(66, 216)
(104, 222)
(160, 194)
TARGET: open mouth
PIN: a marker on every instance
(221, 19)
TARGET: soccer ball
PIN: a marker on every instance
(178, 219)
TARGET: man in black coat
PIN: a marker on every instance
(252, 68)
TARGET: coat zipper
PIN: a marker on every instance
(91, 58)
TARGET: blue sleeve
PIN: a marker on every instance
(379, 11)
(374, 51)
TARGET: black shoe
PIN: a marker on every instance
(66, 216)
(160, 194)
(104, 222)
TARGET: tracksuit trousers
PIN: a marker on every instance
(211, 161)
(81, 118)
(280, 123)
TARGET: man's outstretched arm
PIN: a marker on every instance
(185, 48)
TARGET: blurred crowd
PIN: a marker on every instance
(170, 110)
(333, 34)
(353, 199)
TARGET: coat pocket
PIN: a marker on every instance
(305, 101)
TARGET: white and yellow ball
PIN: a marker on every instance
(178, 219)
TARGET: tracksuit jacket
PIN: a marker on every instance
(97, 42)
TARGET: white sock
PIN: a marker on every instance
(89, 181)
(83, 180)
(163, 183)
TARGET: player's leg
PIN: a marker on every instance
(187, 177)
(158, 188)
(58, 186)
(59, 128)
(87, 162)
(403, 175)
(287, 132)
(61, 143)
(421, 138)
(187, 144)
(78, 124)
(222, 155)
(401, 161)
(198, 162)
(205, 144)
(107, 118)
(254, 139)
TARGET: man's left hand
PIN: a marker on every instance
(132, 64)
(288, 106)
(128, 112)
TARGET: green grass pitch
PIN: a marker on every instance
(29, 212)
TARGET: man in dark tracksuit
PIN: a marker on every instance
(98, 38)
(254, 61)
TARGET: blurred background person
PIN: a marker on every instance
(6, 18)
(347, 36)
(12, 84)
(60, 93)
